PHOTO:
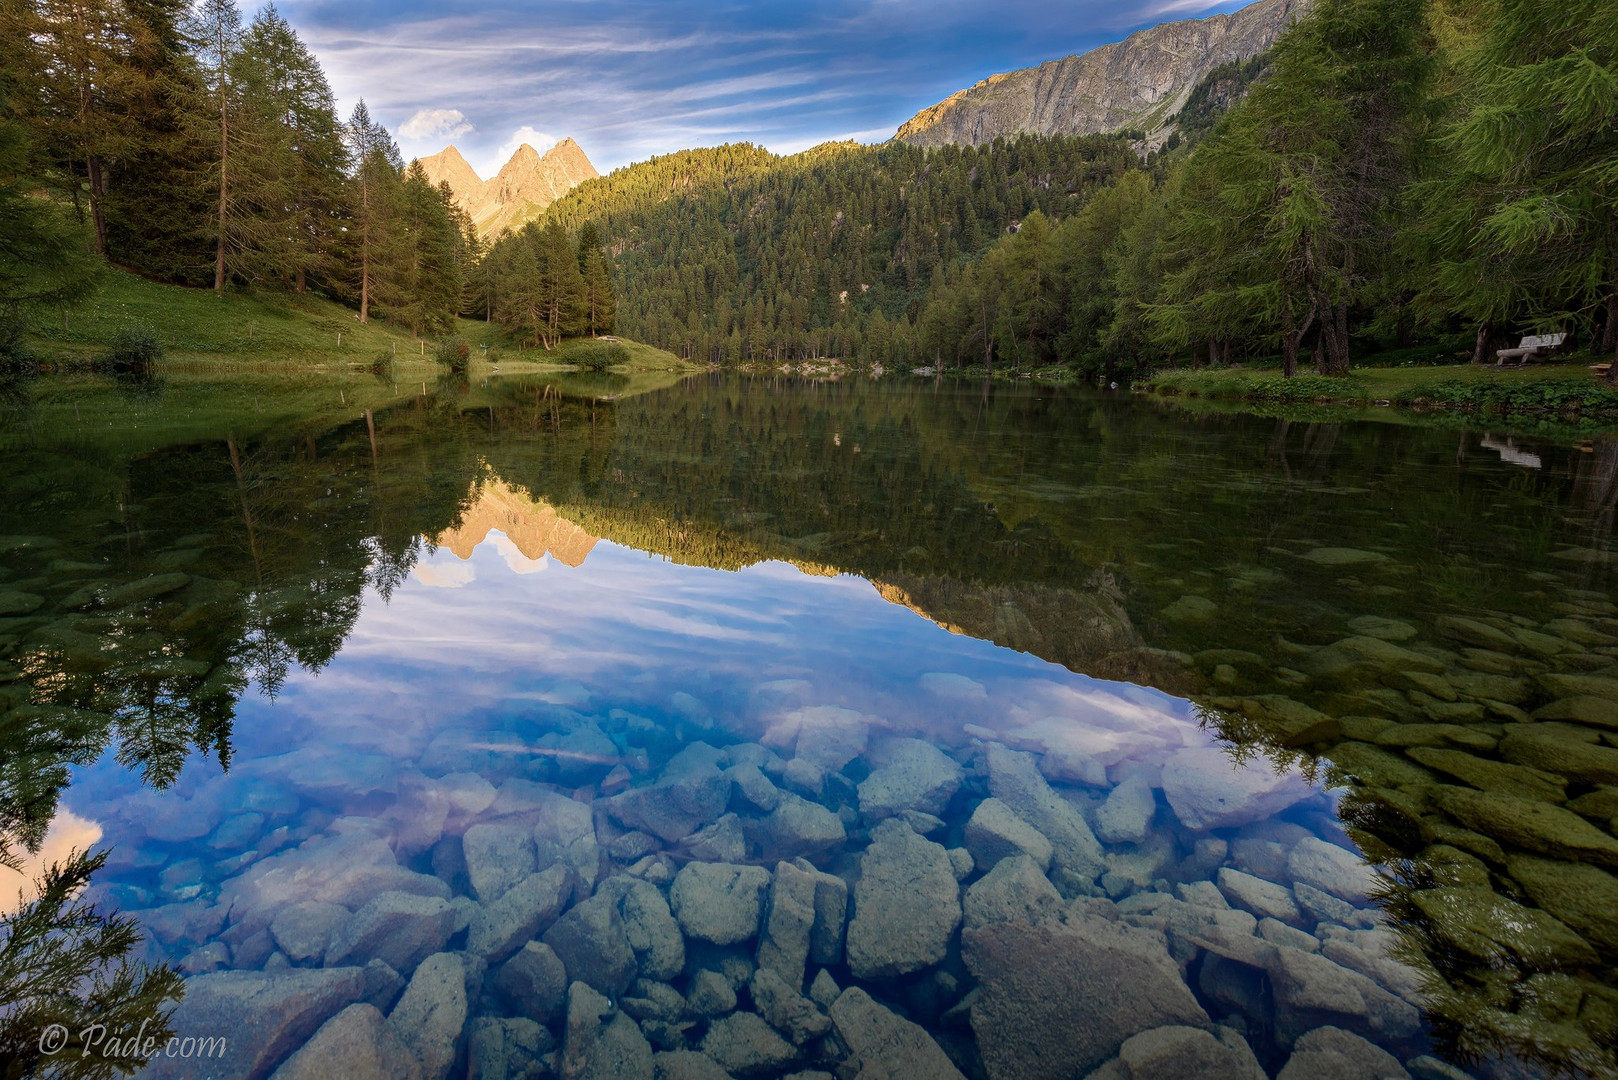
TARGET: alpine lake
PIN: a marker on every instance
(584, 727)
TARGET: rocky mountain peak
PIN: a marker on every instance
(525, 185)
(1137, 83)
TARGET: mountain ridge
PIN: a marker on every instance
(1138, 83)
(525, 185)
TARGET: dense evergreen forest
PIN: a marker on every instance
(1394, 172)
(193, 148)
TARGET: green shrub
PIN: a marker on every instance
(454, 353)
(16, 357)
(133, 348)
(598, 355)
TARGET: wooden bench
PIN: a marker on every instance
(1529, 348)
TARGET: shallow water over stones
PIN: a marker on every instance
(506, 797)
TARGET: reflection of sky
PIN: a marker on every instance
(492, 657)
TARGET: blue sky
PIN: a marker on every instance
(632, 78)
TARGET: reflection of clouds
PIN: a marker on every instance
(628, 631)
(516, 561)
(443, 573)
(68, 832)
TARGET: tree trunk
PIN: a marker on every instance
(97, 178)
(224, 178)
(1213, 351)
(1482, 350)
(1292, 337)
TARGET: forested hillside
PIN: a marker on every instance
(734, 255)
(1394, 172)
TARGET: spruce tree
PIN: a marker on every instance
(290, 163)
(596, 303)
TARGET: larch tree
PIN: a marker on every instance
(217, 29)
(373, 193)
(1527, 218)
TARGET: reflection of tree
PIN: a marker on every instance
(64, 963)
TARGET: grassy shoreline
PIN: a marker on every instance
(1568, 391)
(270, 332)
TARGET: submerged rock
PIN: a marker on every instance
(564, 833)
(798, 827)
(1126, 816)
(912, 775)
(506, 1048)
(1481, 924)
(906, 904)
(591, 942)
(1263, 898)
(1178, 1051)
(994, 832)
(687, 1065)
(886, 1044)
(1333, 869)
(498, 855)
(690, 793)
(534, 980)
(745, 1045)
(1058, 999)
(1581, 896)
(397, 928)
(787, 1010)
(1014, 889)
(261, 1016)
(356, 1044)
(652, 931)
(719, 903)
(1528, 825)
(1311, 991)
(1207, 790)
(432, 1013)
(521, 914)
(303, 930)
(1016, 781)
(1329, 1053)
(804, 918)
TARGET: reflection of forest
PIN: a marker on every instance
(1256, 564)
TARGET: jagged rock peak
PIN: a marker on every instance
(525, 185)
(1140, 82)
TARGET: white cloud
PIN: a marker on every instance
(540, 141)
(442, 123)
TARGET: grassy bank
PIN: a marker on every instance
(279, 332)
(1568, 390)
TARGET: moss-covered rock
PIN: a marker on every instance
(1574, 752)
(1361, 658)
(1581, 709)
(1528, 825)
(1374, 766)
(1487, 775)
(1455, 735)
(1583, 897)
(1490, 929)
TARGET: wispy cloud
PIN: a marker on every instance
(632, 78)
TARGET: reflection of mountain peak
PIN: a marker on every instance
(534, 527)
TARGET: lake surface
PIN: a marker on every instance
(546, 727)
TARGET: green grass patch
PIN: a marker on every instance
(1549, 388)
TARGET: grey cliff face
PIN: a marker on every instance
(1140, 82)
